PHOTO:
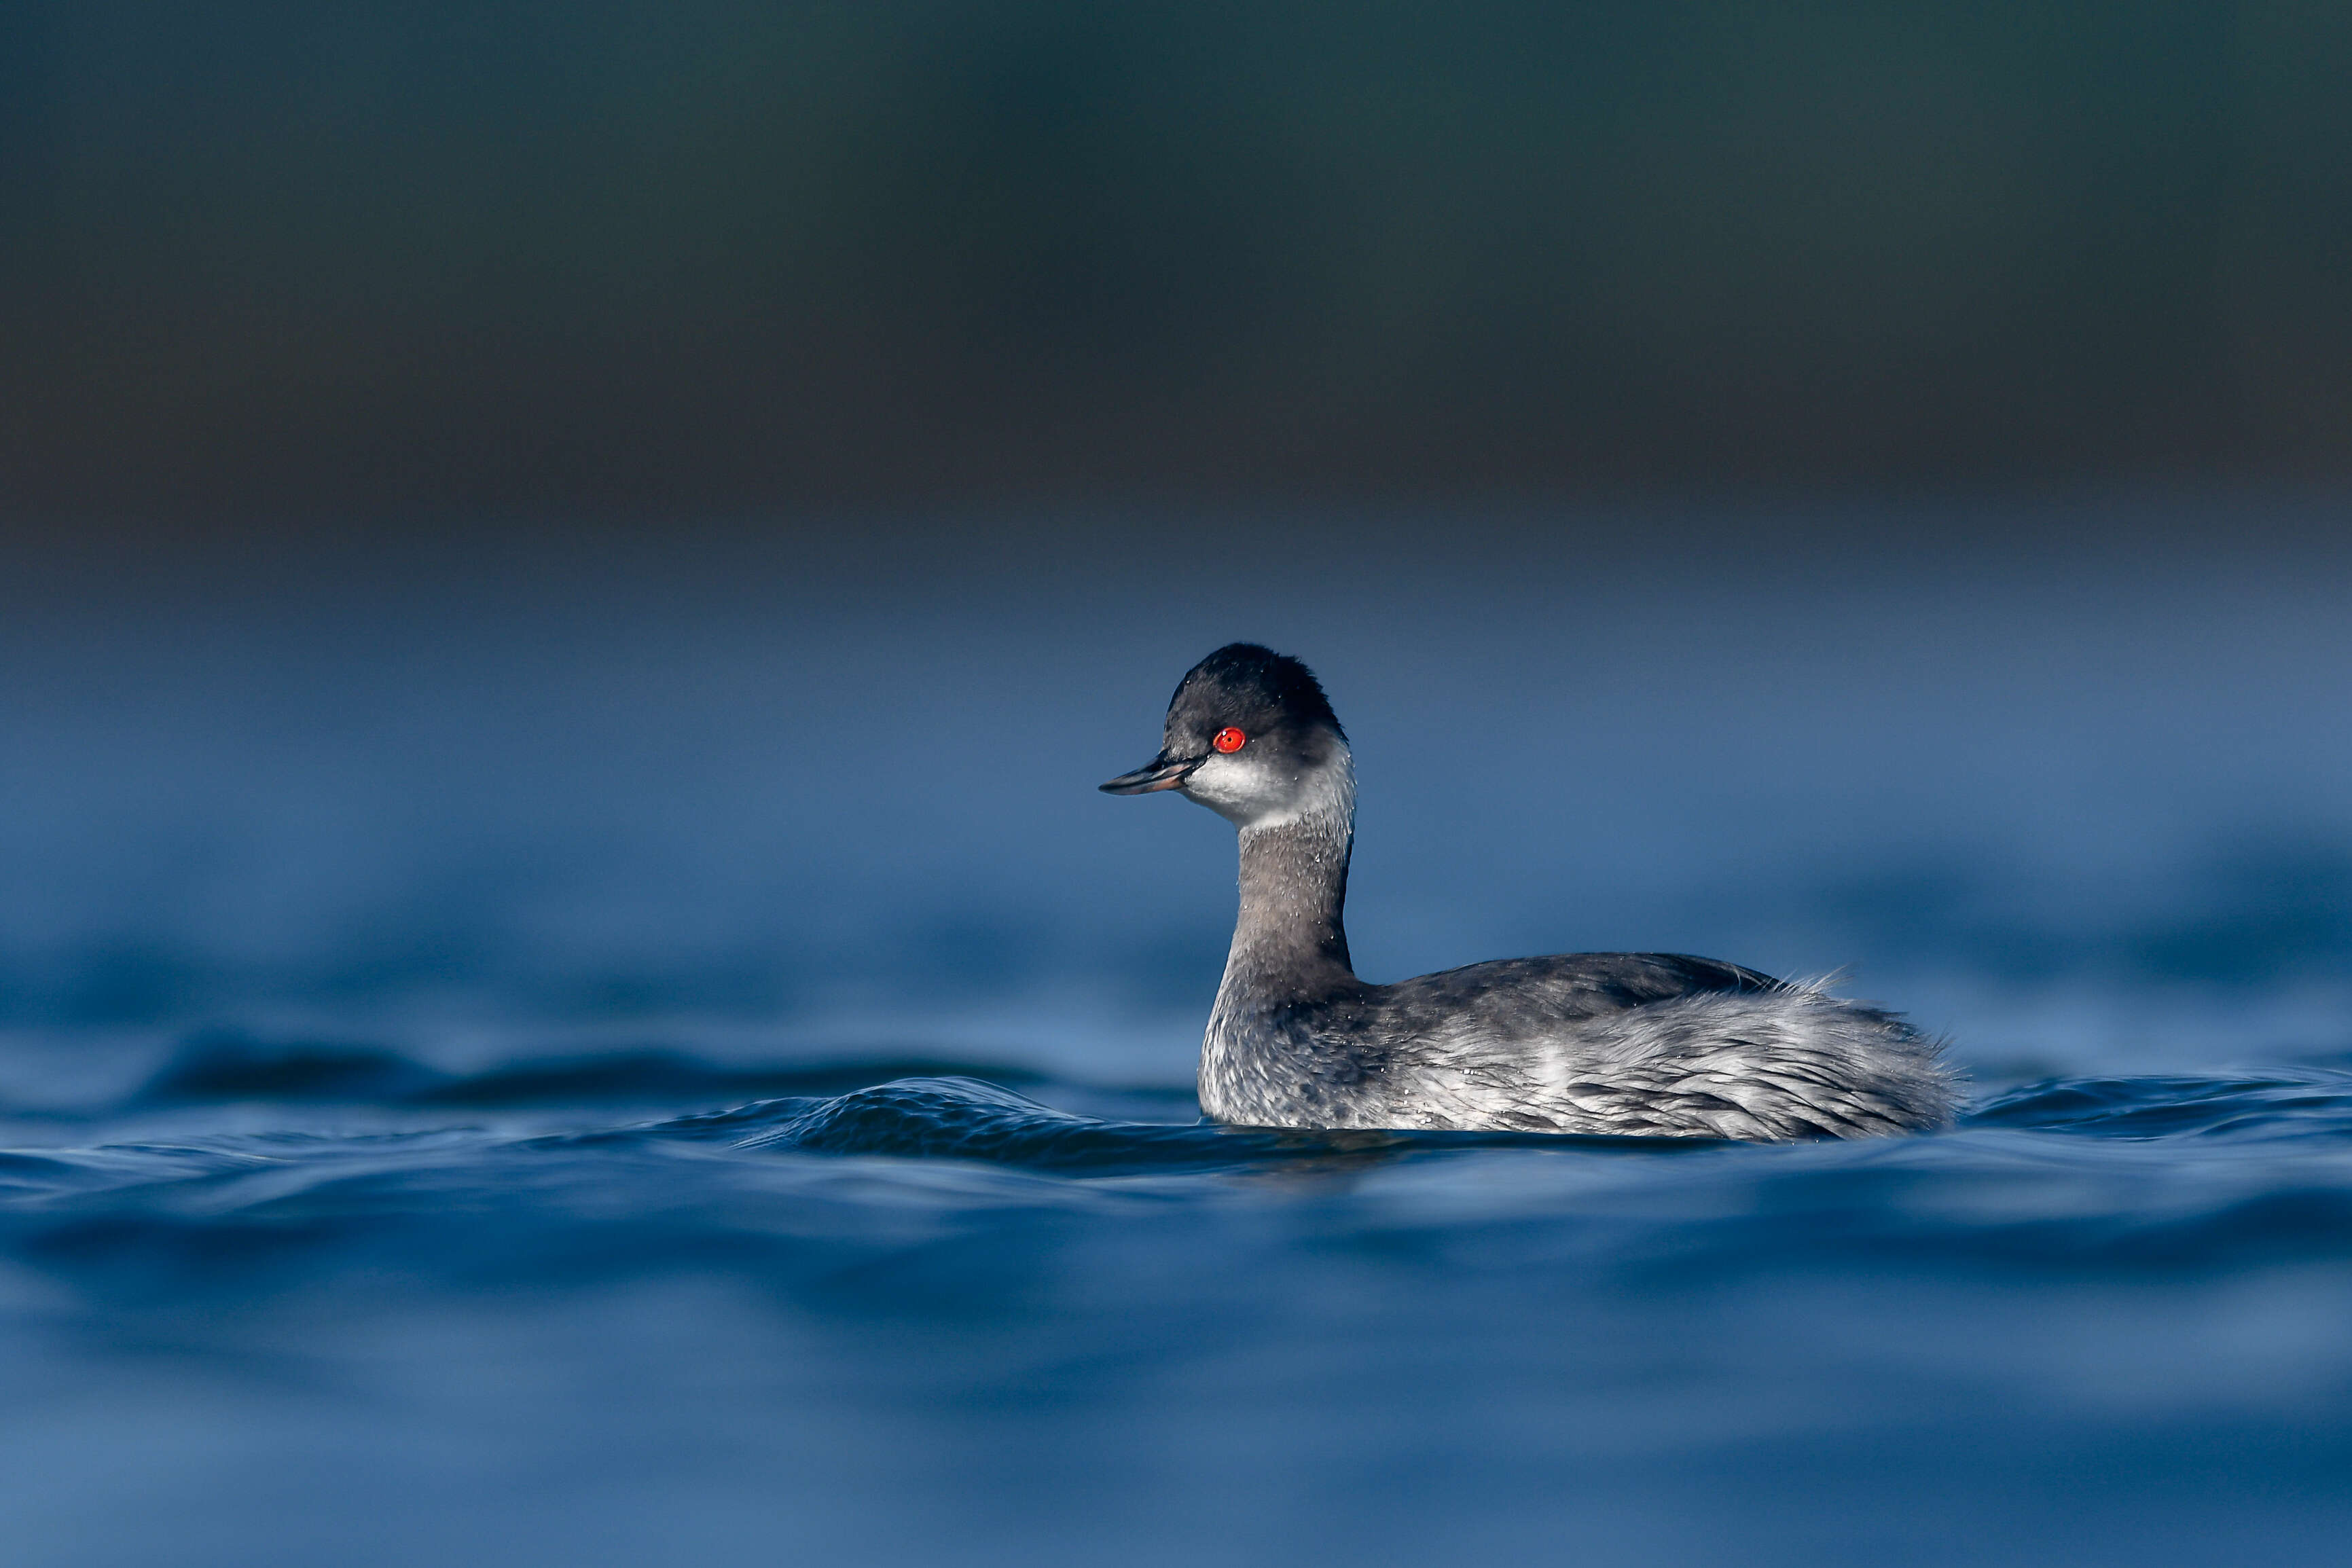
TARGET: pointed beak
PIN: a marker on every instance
(1160, 773)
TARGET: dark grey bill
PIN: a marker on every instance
(1160, 773)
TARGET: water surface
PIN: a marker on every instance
(643, 1068)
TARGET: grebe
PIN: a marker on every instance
(1659, 1044)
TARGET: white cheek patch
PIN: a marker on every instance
(1266, 797)
(1240, 789)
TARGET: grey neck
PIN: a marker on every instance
(1289, 944)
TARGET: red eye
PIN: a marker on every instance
(1230, 739)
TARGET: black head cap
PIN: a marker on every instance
(1254, 689)
(1286, 731)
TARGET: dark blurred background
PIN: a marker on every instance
(265, 259)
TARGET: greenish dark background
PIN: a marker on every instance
(703, 255)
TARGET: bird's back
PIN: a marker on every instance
(1565, 987)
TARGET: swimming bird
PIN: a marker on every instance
(1660, 1044)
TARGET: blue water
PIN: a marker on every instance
(296, 1305)
(630, 1073)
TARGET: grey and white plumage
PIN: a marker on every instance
(1653, 1043)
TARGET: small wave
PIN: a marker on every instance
(965, 1118)
(2300, 1102)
